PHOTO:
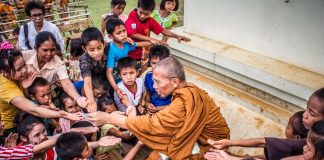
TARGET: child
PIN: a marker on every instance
(139, 23)
(131, 86)
(294, 130)
(40, 93)
(100, 86)
(32, 131)
(67, 104)
(92, 62)
(164, 16)
(26, 151)
(119, 48)
(72, 145)
(117, 9)
(73, 59)
(153, 101)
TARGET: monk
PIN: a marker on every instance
(179, 129)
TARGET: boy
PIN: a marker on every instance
(92, 62)
(139, 23)
(153, 101)
(119, 48)
(131, 86)
(72, 145)
(26, 151)
(40, 93)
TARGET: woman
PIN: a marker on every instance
(45, 63)
(13, 78)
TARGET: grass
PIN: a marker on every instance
(99, 7)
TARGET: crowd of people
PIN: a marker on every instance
(94, 103)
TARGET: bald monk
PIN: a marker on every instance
(191, 117)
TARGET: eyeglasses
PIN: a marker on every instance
(39, 15)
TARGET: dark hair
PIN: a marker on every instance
(38, 82)
(76, 47)
(44, 36)
(126, 62)
(159, 51)
(7, 60)
(117, 2)
(70, 145)
(99, 81)
(162, 4)
(91, 34)
(112, 23)
(62, 97)
(297, 125)
(26, 122)
(320, 95)
(34, 4)
(146, 4)
(103, 102)
(84, 124)
(316, 136)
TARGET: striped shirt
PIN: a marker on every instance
(18, 152)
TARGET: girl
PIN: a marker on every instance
(165, 17)
(73, 60)
(117, 8)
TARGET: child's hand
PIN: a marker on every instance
(11, 140)
(85, 130)
(71, 116)
(131, 111)
(183, 38)
(129, 40)
(31, 75)
(81, 101)
(119, 93)
(58, 128)
(157, 42)
(108, 141)
(151, 108)
(52, 106)
(221, 144)
(218, 155)
(124, 99)
(141, 109)
(92, 106)
(102, 156)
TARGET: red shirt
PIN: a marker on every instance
(50, 154)
(134, 25)
(18, 152)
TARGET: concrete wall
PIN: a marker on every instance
(291, 32)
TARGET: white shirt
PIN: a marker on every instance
(135, 99)
(47, 26)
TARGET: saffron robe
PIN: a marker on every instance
(191, 117)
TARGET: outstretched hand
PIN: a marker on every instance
(183, 38)
(108, 141)
(31, 75)
(71, 116)
(11, 140)
(218, 155)
(99, 118)
(221, 144)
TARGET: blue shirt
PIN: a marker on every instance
(156, 100)
(78, 86)
(115, 53)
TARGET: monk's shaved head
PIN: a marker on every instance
(172, 68)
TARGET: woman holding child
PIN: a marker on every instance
(13, 79)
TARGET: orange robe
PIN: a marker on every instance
(191, 117)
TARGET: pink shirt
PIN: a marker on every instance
(18, 152)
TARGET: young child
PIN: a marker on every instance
(92, 62)
(153, 101)
(131, 86)
(72, 145)
(281, 148)
(294, 130)
(32, 131)
(117, 9)
(119, 48)
(24, 151)
(100, 86)
(73, 60)
(40, 93)
(139, 23)
(67, 104)
(164, 15)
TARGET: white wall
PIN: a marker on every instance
(290, 32)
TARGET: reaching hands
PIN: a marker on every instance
(31, 75)
(129, 40)
(71, 116)
(99, 118)
(85, 130)
(82, 102)
(92, 106)
(183, 38)
(218, 155)
(11, 140)
(108, 141)
(221, 144)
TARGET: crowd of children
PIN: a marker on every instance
(106, 70)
